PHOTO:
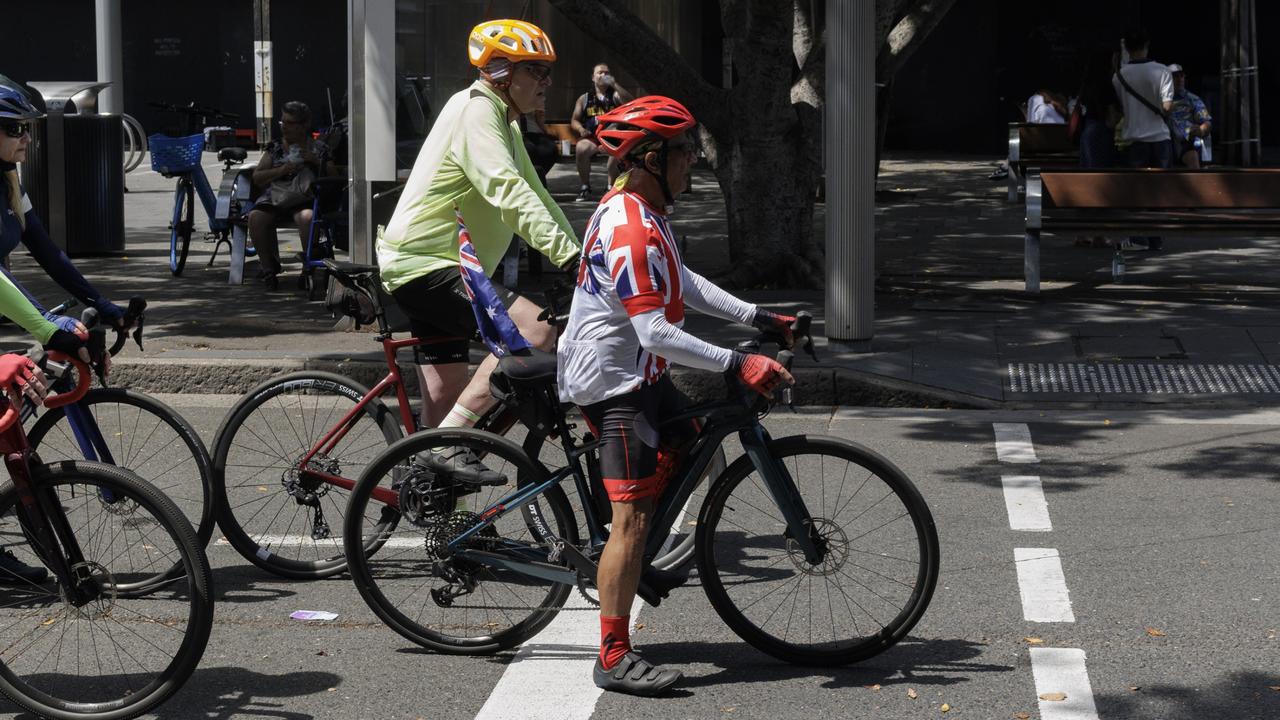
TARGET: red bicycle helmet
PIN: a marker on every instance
(653, 117)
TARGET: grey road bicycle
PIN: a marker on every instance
(815, 550)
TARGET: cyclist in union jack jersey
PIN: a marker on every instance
(624, 330)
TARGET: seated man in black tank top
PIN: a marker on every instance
(604, 96)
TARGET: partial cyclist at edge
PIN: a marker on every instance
(624, 330)
(474, 165)
(19, 223)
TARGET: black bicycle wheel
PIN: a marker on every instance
(401, 564)
(184, 214)
(147, 437)
(880, 564)
(122, 653)
(280, 522)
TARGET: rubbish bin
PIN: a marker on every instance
(74, 170)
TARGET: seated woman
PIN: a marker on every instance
(282, 161)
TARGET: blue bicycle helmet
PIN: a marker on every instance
(15, 103)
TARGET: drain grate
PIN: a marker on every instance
(1143, 378)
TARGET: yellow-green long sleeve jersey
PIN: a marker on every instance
(15, 306)
(474, 159)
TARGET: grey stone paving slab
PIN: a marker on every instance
(1129, 347)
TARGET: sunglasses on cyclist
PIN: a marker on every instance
(15, 130)
(539, 73)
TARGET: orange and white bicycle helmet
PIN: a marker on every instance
(514, 40)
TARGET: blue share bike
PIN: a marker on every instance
(179, 157)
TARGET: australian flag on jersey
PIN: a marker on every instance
(496, 327)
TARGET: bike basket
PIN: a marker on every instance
(173, 155)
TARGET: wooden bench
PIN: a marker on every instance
(1037, 145)
(1148, 201)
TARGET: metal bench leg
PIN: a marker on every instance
(236, 274)
(1013, 184)
(1031, 261)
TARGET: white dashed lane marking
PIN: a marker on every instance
(1013, 443)
(1061, 672)
(1024, 500)
(1042, 585)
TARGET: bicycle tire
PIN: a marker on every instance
(184, 213)
(144, 449)
(150, 618)
(236, 516)
(730, 598)
(377, 557)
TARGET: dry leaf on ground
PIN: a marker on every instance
(945, 708)
(875, 687)
(1054, 697)
(911, 693)
(1033, 640)
(1022, 715)
(1155, 632)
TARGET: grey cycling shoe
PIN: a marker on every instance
(634, 675)
(462, 466)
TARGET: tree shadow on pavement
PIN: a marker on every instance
(914, 661)
(1245, 461)
(1239, 696)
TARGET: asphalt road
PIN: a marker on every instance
(1160, 528)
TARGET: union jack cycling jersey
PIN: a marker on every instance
(629, 303)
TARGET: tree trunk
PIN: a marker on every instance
(768, 190)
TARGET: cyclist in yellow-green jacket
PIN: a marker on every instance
(474, 164)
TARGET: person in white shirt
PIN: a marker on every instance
(1145, 129)
(1047, 108)
(1150, 144)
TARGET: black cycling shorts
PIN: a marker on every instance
(440, 313)
(631, 442)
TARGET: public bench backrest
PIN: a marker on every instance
(1041, 139)
(1254, 188)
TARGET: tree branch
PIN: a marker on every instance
(648, 56)
(907, 35)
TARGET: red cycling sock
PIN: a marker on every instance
(615, 639)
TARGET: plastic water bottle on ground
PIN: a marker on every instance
(1117, 266)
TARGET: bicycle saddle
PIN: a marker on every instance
(537, 367)
(349, 270)
(234, 154)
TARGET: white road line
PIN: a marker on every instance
(1013, 443)
(1024, 500)
(550, 676)
(1062, 670)
(1042, 585)
(1180, 416)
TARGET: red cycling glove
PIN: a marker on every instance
(15, 372)
(769, 321)
(759, 372)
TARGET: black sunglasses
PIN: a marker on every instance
(15, 130)
(539, 73)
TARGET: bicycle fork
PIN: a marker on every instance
(46, 527)
(782, 487)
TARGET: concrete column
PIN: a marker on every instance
(263, 72)
(110, 57)
(371, 76)
(849, 155)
